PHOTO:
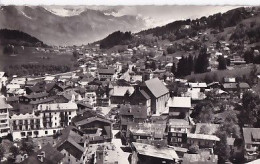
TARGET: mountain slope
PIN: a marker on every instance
(15, 37)
(85, 27)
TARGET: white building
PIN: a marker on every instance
(45, 121)
(4, 117)
(92, 97)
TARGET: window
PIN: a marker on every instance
(179, 135)
(69, 118)
(46, 132)
(54, 131)
(55, 118)
(69, 113)
(174, 134)
(22, 134)
(29, 133)
(179, 140)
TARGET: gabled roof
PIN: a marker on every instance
(121, 90)
(37, 95)
(250, 134)
(91, 119)
(156, 87)
(179, 102)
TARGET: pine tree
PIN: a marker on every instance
(222, 64)
(173, 69)
(202, 61)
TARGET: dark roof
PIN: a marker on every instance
(86, 114)
(70, 141)
(137, 111)
(52, 156)
(86, 105)
(106, 71)
(91, 119)
(156, 87)
(243, 85)
(37, 95)
(145, 95)
(43, 101)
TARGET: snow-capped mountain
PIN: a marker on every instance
(66, 25)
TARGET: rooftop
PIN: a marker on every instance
(250, 134)
(122, 90)
(157, 87)
(211, 127)
(58, 106)
(198, 85)
(179, 102)
(153, 151)
(203, 137)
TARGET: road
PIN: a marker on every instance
(123, 156)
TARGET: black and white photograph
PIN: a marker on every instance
(129, 84)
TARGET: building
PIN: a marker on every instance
(140, 97)
(4, 117)
(57, 115)
(201, 158)
(179, 107)
(149, 154)
(46, 155)
(177, 132)
(252, 142)
(92, 97)
(73, 145)
(27, 125)
(120, 93)
(202, 140)
(159, 95)
(106, 74)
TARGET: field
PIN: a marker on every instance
(30, 56)
(238, 71)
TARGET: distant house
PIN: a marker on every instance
(149, 154)
(120, 93)
(73, 145)
(94, 126)
(159, 95)
(202, 140)
(46, 155)
(106, 74)
(206, 128)
(230, 87)
(252, 142)
(243, 87)
(201, 158)
(179, 107)
(4, 110)
(147, 131)
(202, 86)
(229, 80)
(140, 97)
(177, 134)
(129, 114)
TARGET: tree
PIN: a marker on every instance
(250, 109)
(153, 66)
(222, 149)
(253, 75)
(27, 146)
(2, 151)
(14, 150)
(173, 68)
(193, 149)
(204, 129)
(203, 112)
(202, 61)
(222, 64)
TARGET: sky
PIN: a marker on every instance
(131, 2)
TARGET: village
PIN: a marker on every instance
(116, 109)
